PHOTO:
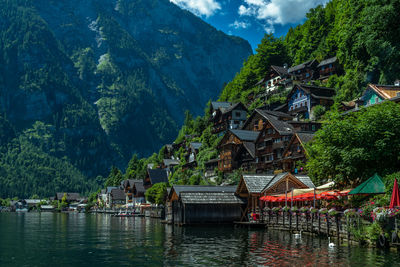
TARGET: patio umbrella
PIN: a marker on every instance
(395, 199)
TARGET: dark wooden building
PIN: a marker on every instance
(304, 72)
(227, 116)
(230, 146)
(328, 67)
(203, 204)
(277, 77)
(296, 152)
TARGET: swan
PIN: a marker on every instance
(331, 244)
(297, 235)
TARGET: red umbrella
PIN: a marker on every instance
(395, 200)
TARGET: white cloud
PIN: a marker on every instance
(199, 7)
(272, 12)
(240, 24)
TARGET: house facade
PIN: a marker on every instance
(303, 98)
(327, 68)
(295, 154)
(229, 147)
(304, 72)
(227, 116)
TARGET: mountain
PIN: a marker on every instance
(85, 84)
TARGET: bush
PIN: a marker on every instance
(157, 193)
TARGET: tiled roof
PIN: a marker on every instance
(201, 188)
(306, 180)
(118, 194)
(195, 145)
(251, 148)
(282, 127)
(169, 162)
(275, 179)
(210, 198)
(109, 188)
(317, 91)
(327, 61)
(305, 137)
(245, 135)
(222, 105)
(139, 187)
(158, 176)
(255, 183)
(282, 71)
(277, 114)
(301, 66)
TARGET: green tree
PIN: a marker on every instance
(157, 193)
(351, 148)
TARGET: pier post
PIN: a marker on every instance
(319, 223)
(337, 227)
(297, 221)
(327, 223)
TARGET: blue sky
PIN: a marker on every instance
(251, 19)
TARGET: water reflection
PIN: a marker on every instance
(48, 239)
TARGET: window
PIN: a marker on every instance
(237, 114)
(307, 75)
(376, 99)
(313, 127)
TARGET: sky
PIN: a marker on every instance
(251, 19)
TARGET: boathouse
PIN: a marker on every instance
(253, 186)
(203, 204)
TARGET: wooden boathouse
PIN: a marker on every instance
(203, 204)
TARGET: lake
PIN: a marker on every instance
(55, 239)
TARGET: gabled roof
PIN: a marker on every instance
(139, 187)
(221, 105)
(304, 179)
(210, 198)
(385, 91)
(277, 114)
(315, 91)
(255, 183)
(302, 66)
(235, 106)
(327, 61)
(118, 194)
(282, 71)
(270, 115)
(158, 176)
(109, 188)
(202, 188)
(244, 135)
(195, 145)
(169, 162)
(251, 148)
(305, 137)
(282, 127)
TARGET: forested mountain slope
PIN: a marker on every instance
(90, 83)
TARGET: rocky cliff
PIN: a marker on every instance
(94, 81)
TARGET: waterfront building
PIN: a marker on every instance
(252, 186)
(187, 204)
(70, 197)
(117, 197)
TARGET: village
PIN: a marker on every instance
(269, 147)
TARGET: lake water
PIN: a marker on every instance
(54, 239)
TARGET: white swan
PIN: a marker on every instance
(331, 244)
(297, 235)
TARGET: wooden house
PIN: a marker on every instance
(304, 72)
(276, 77)
(203, 204)
(155, 176)
(210, 167)
(250, 188)
(138, 192)
(328, 67)
(230, 145)
(375, 93)
(253, 186)
(303, 98)
(169, 164)
(296, 152)
(227, 116)
(286, 182)
(127, 186)
(117, 197)
(275, 133)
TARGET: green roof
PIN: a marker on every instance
(373, 185)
